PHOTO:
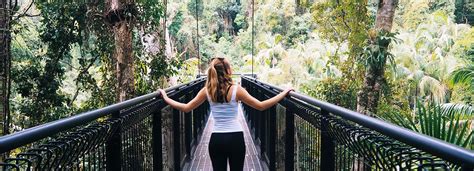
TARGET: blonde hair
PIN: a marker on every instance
(218, 79)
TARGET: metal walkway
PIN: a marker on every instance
(201, 161)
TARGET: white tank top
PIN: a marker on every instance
(225, 114)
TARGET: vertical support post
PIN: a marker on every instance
(254, 115)
(113, 147)
(289, 137)
(157, 141)
(188, 128)
(258, 116)
(196, 124)
(176, 140)
(264, 128)
(272, 138)
(327, 144)
(251, 113)
(201, 120)
(262, 117)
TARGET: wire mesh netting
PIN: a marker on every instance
(292, 135)
(351, 145)
(90, 146)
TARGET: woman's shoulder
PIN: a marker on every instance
(236, 87)
(240, 89)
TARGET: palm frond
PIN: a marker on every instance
(447, 122)
(457, 108)
(464, 75)
(433, 87)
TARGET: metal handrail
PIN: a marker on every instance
(442, 149)
(30, 135)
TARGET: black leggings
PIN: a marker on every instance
(227, 146)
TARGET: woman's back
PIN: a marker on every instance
(227, 145)
(225, 114)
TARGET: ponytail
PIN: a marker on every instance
(212, 82)
(218, 79)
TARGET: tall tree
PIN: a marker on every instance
(344, 22)
(120, 15)
(298, 6)
(227, 11)
(376, 58)
(5, 62)
(464, 12)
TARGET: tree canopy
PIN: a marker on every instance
(67, 59)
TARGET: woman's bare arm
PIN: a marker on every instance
(185, 107)
(245, 97)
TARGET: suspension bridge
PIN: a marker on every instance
(299, 133)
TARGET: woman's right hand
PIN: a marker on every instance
(248, 99)
(163, 94)
(287, 90)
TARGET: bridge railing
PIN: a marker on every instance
(303, 133)
(138, 134)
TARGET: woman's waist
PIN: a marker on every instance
(227, 126)
(224, 108)
(225, 114)
(226, 121)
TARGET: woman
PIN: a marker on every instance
(227, 139)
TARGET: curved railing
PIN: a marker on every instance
(138, 134)
(308, 134)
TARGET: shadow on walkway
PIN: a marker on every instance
(201, 160)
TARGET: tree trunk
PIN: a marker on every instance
(117, 15)
(124, 57)
(385, 15)
(5, 62)
(250, 9)
(368, 96)
(228, 21)
(123, 53)
(298, 8)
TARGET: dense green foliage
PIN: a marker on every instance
(327, 58)
(62, 60)
(448, 124)
(39, 78)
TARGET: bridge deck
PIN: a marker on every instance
(201, 160)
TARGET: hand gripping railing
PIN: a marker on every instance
(308, 134)
(138, 134)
